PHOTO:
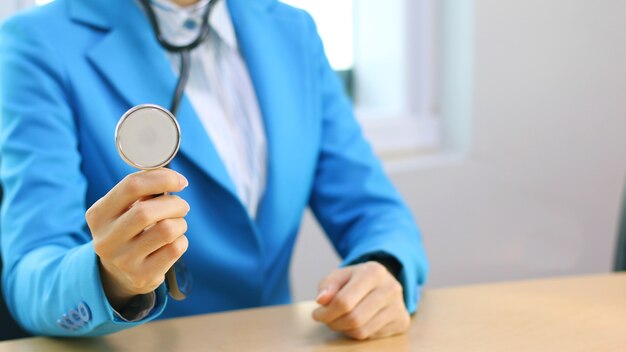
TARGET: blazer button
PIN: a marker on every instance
(67, 321)
(62, 325)
(75, 318)
(84, 312)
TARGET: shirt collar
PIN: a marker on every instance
(181, 24)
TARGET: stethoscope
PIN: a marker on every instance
(148, 136)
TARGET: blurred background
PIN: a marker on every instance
(502, 123)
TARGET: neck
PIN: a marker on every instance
(184, 2)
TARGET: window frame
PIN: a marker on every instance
(416, 128)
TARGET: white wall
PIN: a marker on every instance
(538, 191)
(6, 8)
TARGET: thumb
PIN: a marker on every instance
(331, 284)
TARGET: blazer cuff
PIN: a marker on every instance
(390, 262)
(102, 318)
(138, 308)
(414, 265)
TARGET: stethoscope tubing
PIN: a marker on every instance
(185, 67)
(183, 50)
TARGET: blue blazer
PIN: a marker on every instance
(70, 69)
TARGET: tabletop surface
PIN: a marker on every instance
(563, 314)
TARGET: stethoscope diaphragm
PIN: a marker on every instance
(147, 137)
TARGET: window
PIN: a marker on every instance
(335, 22)
(387, 54)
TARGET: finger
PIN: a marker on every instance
(367, 309)
(164, 258)
(363, 281)
(163, 232)
(345, 301)
(331, 284)
(133, 187)
(397, 326)
(147, 273)
(388, 330)
(146, 213)
(382, 319)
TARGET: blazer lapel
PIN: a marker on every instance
(132, 61)
(257, 36)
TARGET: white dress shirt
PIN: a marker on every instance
(222, 95)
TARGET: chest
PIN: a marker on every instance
(104, 87)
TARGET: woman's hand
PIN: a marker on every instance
(138, 237)
(362, 301)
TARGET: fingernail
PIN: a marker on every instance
(183, 181)
(322, 293)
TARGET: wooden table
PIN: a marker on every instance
(564, 314)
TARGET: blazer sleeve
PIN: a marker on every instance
(352, 198)
(51, 275)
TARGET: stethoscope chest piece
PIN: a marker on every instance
(147, 137)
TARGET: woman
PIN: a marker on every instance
(266, 131)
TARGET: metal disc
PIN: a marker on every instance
(147, 137)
